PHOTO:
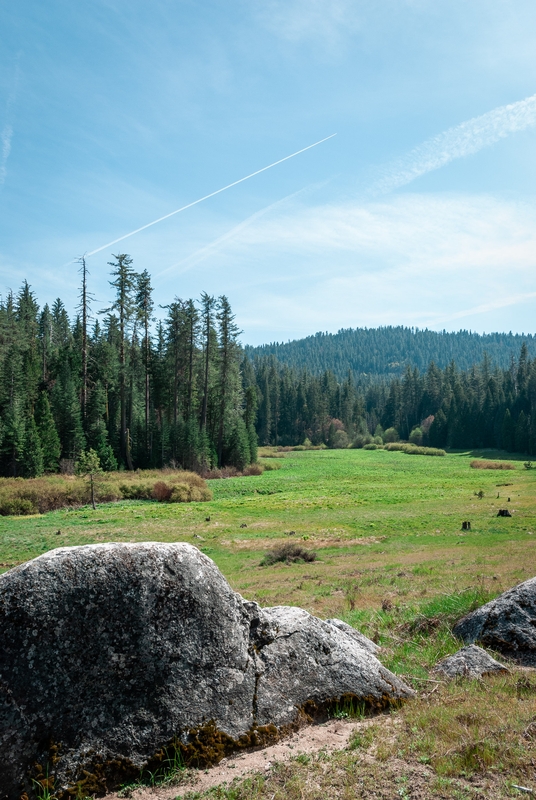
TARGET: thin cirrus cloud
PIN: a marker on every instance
(457, 142)
(7, 131)
(386, 262)
(5, 138)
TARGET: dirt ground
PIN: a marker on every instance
(330, 736)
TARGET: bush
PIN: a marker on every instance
(136, 491)
(481, 464)
(425, 451)
(391, 435)
(270, 466)
(20, 496)
(361, 440)
(340, 440)
(416, 435)
(18, 507)
(180, 493)
(413, 450)
(254, 469)
(162, 492)
(288, 554)
(373, 446)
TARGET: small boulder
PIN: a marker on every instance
(506, 624)
(110, 653)
(469, 662)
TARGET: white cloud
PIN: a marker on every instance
(427, 260)
(458, 142)
(5, 138)
(7, 131)
(298, 20)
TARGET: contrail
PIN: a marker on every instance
(206, 197)
(193, 259)
(461, 140)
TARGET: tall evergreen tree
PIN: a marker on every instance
(124, 281)
(48, 435)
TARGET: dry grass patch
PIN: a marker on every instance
(22, 496)
(472, 727)
(482, 464)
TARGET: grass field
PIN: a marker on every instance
(391, 560)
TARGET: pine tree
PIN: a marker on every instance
(237, 447)
(508, 432)
(66, 409)
(124, 284)
(145, 306)
(31, 460)
(228, 383)
(207, 321)
(438, 432)
(522, 433)
(48, 435)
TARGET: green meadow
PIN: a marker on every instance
(360, 510)
(391, 559)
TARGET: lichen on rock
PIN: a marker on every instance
(111, 652)
(469, 662)
(506, 624)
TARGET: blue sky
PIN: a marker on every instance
(421, 211)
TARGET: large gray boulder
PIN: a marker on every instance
(110, 653)
(469, 662)
(506, 624)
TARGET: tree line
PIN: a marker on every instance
(178, 390)
(485, 406)
(141, 392)
(387, 351)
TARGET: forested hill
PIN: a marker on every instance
(387, 351)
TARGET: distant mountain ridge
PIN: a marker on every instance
(388, 350)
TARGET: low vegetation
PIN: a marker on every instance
(484, 464)
(415, 450)
(288, 554)
(23, 496)
(393, 562)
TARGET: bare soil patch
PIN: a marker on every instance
(328, 737)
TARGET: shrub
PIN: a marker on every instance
(413, 450)
(288, 553)
(416, 435)
(340, 440)
(360, 440)
(17, 507)
(180, 493)
(162, 492)
(425, 451)
(481, 464)
(254, 469)
(136, 491)
(391, 435)
(39, 495)
(373, 446)
(270, 466)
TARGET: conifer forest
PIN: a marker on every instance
(172, 387)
